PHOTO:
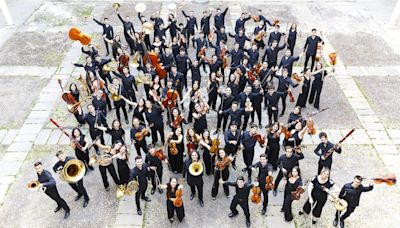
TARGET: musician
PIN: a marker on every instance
(288, 60)
(243, 79)
(296, 135)
(200, 118)
(100, 63)
(139, 143)
(192, 139)
(258, 35)
(318, 194)
(305, 89)
(275, 35)
(241, 197)
(195, 70)
(116, 131)
(205, 146)
(103, 167)
(182, 60)
(92, 118)
(325, 158)
(219, 19)
(193, 181)
(273, 146)
(173, 28)
(233, 83)
(176, 119)
(239, 24)
(262, 18)
(212, 88)
(83, 153)
(140, 173)
(240, 38)
(158, 21)
(108, 32)
(156, 90)
(248, 142)
(310, 48)
(89, 65)
(176, 78)
(291, 38)
(232, 136)
(256, 100)
(200, 43)
(286, 163)
(226, 103)
(167, 59)
(253, 54)
(123, 165)
(117, 91)
(319, 76)
(272, 53)
(153, 161)
(175, 140)
(264, 170)
(235, 113)
(205, 24)
(171, 189)
(222, 37)
(222, 163)
(154, 116)
(90, 50)
(78, 186)
(214, 63)
(283, 87)
(49, 184)
(191, 23)
(146, 36)
(138, 111)
(236, 57)
(294, 117)
(351, 192)
(129, 31)
(265, 76)
(293, 182)
(74, 91)
(116, 44)
(194, 94)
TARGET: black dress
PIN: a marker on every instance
(180, 211)
(316, 89)
(116, 135)
(287, 200)
(207, 158)
(319, 196)
(292, 40)
(302, 99)
(176, 161)
(137, 113)
(272, 149)
(123, 171)
(82, 155)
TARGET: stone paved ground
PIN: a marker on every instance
(353, 102)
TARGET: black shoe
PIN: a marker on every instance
(282, 209)
(216, 131)
(263, 211)
(232, 214)
(281, 115)
(201, 203)
(314, 222)
(265, 107)
(244, 169)
(171, 220)
(274, 192)
(147, 199)
(335, 222)
(78, 197)
(153, 190)
(301, 213)
(108, 189)
(85, 203)
(191, 196)
(234, 166)
(91, 167)
(160, 191)
(57, 209)
(139, 212)
(341, 223)
(66, 215)
(127, 122)
(247, 223)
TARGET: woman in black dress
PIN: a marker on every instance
(172, 26)
(176, 114)
(292, 183)
(291, 38)
(74, 91)
(155, 90)
(293, 116)
(192, 140)
(200, 118)
(138, 111)
(176, 161)
(171, 188)
(205, 145)
(304, 90)
(297, 135)
(116, 131)
(273, 146)
(222, 163)
(316, 88)
(123, 165)
(82, 155)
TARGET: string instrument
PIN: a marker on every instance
(256, 197)
(285, 131)
(223, 57)
(123, 61)
(275, 22)
(269, 183)
(215, 145)
(389, 179)
(178, 202)
(251, 76)
(332, 57)
(202, 52)
(310, 127)
(170, 98)
(319, 51)
(260, 138)
(340, 204)
(177, 121)
(76, 142)
(255, 18)
(330, 151)
(190, 147)
(172, 148)
(260, 35)
(160, 154)
(152, 58)
(257, 68)
(211, 35)
(299, 190)
(291, 97)
(72, 103)
(139, 136)
(296, 77)
(76, 35)
(221, 165)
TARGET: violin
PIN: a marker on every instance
(269, 183)
(297, 193)
(221, 165)
(72, 103)
(170, 98)
(177, 122)
(123, 62)
(178, 202)
(310, 127)
(389, 179)
(260, 35)
(256, 197)
(190, 147)
(332, 57)
(276, 21)
(257, 68)
(215, 145)
(319, 52)
(259, 138)
(251, 76)
(160, 154)
(286, 132)
(172, 148)
(140, 135)
(202, 52)
(296, 77)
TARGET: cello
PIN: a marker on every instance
(215, 145)
(152, 58)
(170, 99)
(72, 103)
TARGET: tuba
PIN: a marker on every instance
(196, 168)
(34, 185)
(73, 171)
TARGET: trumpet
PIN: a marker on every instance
(35, 185)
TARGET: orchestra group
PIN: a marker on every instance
(242, 81)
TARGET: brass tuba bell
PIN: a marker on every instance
(34, 185)
(196, 168)
(73, 171)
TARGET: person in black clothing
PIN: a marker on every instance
(264, 170)
(205, 24)
(182, 60)
(129, 84)
(240, 38)
(191, 23)
(351, 192)
(258, 35)
(253, 54)
(171, 189)
(89, 65)
(108, 31)
(241, 197)
(221, 37)
(291, 38)
(195, 70)
(139, 142)
(193, 181)
(256, 100)
(294, 117)
(104, 74)
(116, 131)
(177, 78)
(49, 186)
(248, 142)
(104, 165)
(155, 121)
(304, 90)
(175, 157)
(140, 173)
(173, 27)
(273, 146)
(272, 54)
(292, 183)
(271, 102)
(90, 50)
(153, 161)
(212, 88)
(81, 154)
(200, 44)
(167, 59)
(200, 118)
(222, 162)
(310, 48)
(94, 118)
(226, 103)
(118, 91)
(219, 19)
(99, 102)
(129, 31)
(78, 186)
(286, 163)
(322, 149)
(235, 113)
(288, 60)
(283, 87)
(319, 75)
(236, 57)
(275, 35)
(241, 21)
(232, 137)
(123, 165)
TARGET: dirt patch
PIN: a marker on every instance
(17, 98)
(35, 49)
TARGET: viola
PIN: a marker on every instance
(269, 183)
(310, 127)
(276, 21)
(215, 145)
(140, 135)
(202, 52)
(260, 35)
(170, 99)
(296, 77)
(259, 138)
(190, 147)
(221, 165)
(172, 148)
(123, 62)
(177, 121)
(297, 194)
(251, 76)
(160, 154)
(256, 197)
(286, 132)
(178, 202)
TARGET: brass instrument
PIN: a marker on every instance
(340, 204)
(140, 7)
(111, 66)
(129, 189)
(115, 96)
(196, 168)
(84, 85)
(147, 28)
(143, 78)
(34, 185)
(102, 160)
(73, 171)
(116, 5)
(135, 60)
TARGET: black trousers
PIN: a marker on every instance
(180, 211)
(272, 113)
(278, 179)
(191, 110)
(141, 193)
(291, 44)
(265, 195)
(131, 96)
(207, 161)
(107, 48)
(53, 194)
(257, 109)
(287, 207)
(159, 129)
(130, 42)
(111, 170)
(318, 204)
(248, 155)
(315, 94)
(212, 98)
(283, 98)
(83, 157)
(93, 134)
(308, 56)
(321, 166)
(219, 121)
(141, 145)
(153, 177)
(120, 105)
(217, 176)
(243, 204)
(185, 79)
(199, 187)
(349, 210)
(80, 189)
(273, 154)
(246, 121)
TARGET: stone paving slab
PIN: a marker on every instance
(3, 191)
(30, 129)
(5, 180)
(393, 133)
(54, 137)
(42, 137)
(42, 107)
(9, 137)
(14, 156)
(377, 134)
(391, 160)
(43, 72)
(24, 138)
(3, 133)
(386, 149)
(128, 219)
(20, 147)
(8, 168)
